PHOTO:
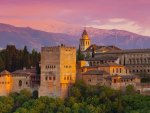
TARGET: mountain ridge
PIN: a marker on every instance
(34, 38)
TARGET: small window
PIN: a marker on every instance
(120, 70)
(116, 70)
(67, 78)
(26, 83)
(64, 78)
(89, 80)
(20, 83)
(82, 70)
(113, 70)
(45, 78)
(114, 80)
(50, 78)
(54, 78)
(133, 71)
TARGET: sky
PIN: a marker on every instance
(49, 15)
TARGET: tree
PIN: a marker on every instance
(6, 104)
(130, 90)
(26, 58)
(2, 65)
(80, 56)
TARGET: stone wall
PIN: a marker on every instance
(58, 70)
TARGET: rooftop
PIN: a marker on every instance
(102, 58)
(95, 72)
(127, 51)
(5, 72)
(25, 71)
(123, 76)
(109, 64)
(102, 48)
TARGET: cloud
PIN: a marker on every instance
(122, 24)
(123, 14)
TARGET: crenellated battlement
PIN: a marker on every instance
(57, 48)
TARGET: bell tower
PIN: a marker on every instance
(84, 41)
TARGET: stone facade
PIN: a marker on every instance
(112, 66)
(137, 60)
(23, 79)
(17, 80)
(58, 70)
(112, 75)
(121, 82)
(94, 77)
(6, 82)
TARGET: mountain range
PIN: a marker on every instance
(32, 38)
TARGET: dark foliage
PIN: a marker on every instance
(12, 59)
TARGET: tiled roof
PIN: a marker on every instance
(26, 71)
(127, 51)
(95, 72)
(90, 67)
(5, 72)
(123, 76)
(96, 47)
(102, 58)
(109, 64)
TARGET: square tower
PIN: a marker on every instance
(58, 70)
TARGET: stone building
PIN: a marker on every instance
(121, 82)
(6, 82)
(25, 79)
(137, 60)
(58, 70)
(114, 69)
(18, 80)
(109, 74)
(94, 77)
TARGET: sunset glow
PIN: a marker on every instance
(47, 15)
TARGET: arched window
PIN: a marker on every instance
(20, 83)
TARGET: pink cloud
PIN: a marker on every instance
(80, 12)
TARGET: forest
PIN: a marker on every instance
(82, 99)
(12, 59)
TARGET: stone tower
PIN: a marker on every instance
(58, 70)
(84, 41)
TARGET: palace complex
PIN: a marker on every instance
(104, 65)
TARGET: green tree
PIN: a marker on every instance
(2, 65)
(130, 90)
